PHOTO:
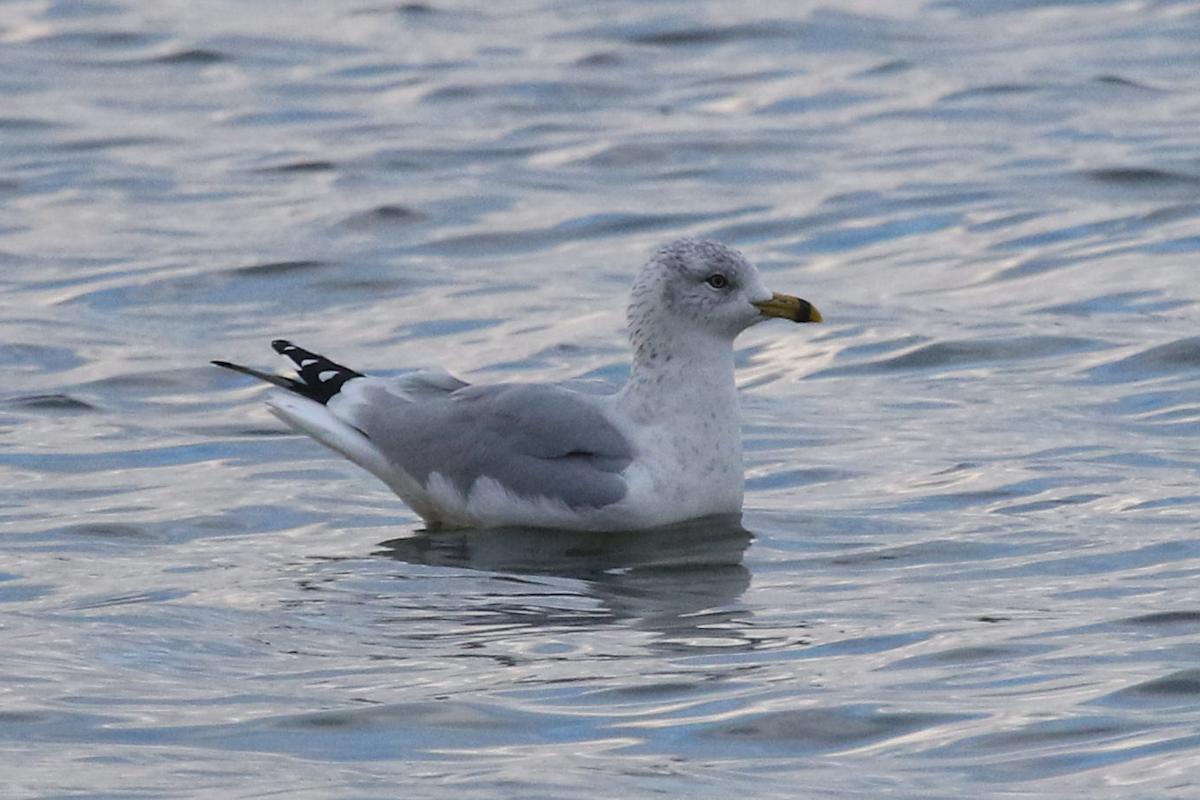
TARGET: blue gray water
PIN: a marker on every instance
(969, 565)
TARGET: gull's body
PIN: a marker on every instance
(664, 448)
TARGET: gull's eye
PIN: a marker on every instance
(717, 281)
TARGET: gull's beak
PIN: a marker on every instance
(788, 307)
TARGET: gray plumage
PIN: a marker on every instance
(534, 439)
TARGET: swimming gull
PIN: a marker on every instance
(664, 448)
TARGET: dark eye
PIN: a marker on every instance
(717, 280)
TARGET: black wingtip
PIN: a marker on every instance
(230, 365)
(278, 380)
(320, 378)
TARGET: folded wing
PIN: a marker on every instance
(535, 440)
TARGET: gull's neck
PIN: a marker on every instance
(681, 373)
(682, 398)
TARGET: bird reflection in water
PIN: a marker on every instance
(679, 579)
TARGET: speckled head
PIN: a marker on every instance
(693, 287)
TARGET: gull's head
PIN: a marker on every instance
(696, 287)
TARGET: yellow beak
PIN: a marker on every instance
(788, 307)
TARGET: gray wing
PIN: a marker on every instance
(425, 383)
(536, 440)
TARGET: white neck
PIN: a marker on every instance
(686, 407)
(670, 376)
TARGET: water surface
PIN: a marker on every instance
(968, 564)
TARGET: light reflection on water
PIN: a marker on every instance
(969, 557)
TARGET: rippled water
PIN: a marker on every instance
(969, 563)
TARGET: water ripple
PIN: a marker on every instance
(967, 563)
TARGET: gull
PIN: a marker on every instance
(664, 448)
